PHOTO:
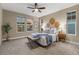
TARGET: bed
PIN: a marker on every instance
(45, 38)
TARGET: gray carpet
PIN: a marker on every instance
(19, 47)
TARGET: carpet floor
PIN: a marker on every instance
(19, 47)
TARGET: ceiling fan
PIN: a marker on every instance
(36, 8)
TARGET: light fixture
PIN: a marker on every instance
(36, 10)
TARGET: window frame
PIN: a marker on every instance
(20, 24)
(75, 23)
(32, 25)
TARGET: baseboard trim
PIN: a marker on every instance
(12, 38)
(76, 43)
(17, 37)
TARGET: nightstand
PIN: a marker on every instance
(61, 37)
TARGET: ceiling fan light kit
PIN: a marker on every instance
(36, 8)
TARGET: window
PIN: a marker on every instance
(29, 24)
(20, 24)
(71, 22)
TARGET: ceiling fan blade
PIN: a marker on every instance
(31, 7)
(33, 11)
(41, 8)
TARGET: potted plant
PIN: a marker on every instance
(6, 29)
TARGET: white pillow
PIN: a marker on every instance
(53, 30)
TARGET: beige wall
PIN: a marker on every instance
(61, 17)
(0, 23)
(10, 17)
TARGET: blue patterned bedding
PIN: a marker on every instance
(39, 35)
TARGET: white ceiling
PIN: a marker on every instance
(50, 8)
